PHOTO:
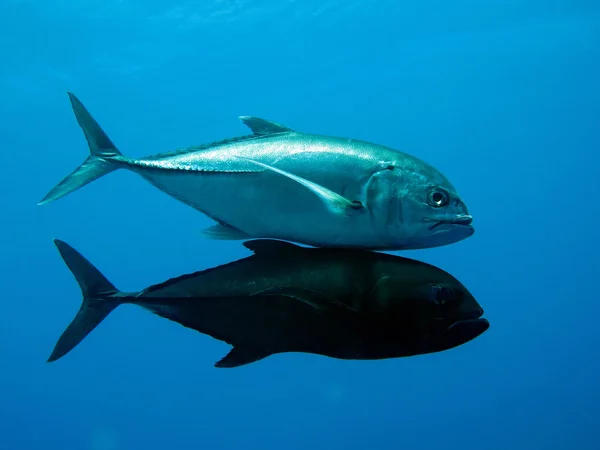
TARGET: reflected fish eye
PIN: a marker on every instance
(438, 197)
(445, 295)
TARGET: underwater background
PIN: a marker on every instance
(503, 96)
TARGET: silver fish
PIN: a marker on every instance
(283, 184)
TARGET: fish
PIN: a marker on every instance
(279, 183)
(285, 298)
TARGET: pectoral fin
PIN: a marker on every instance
(315, 299)
(333, 202)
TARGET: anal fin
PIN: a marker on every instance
(240, 356)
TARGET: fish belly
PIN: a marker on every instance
(268, 205)
(269, 323)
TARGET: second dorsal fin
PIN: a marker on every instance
(270, 245)
(262, 127)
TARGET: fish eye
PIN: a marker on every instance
(438, 197)
(445, 295)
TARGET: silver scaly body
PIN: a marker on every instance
(282, 184)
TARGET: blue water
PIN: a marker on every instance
(503, 96)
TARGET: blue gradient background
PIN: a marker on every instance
(502, 96)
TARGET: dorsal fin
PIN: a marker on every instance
(270, 245)
(261, 126)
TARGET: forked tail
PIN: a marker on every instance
(100, 162)
(100, 297)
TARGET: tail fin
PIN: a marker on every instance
(99, 300)
(96, 165)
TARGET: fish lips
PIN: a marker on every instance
(464, 220)
(463, 331)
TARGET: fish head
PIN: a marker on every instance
(455, 317)
(424, 309)
(424, 299)
(420, 207)
(458, 333)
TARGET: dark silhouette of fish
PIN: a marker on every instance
(341, 303)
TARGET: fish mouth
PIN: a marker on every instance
(472, 315)
(464, 220)
(463, 331)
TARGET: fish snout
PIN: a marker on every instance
(460, 220)
(464, 331)
(476, 314)
(463, 219)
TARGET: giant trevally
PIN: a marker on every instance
(280, 183)
(341, 303)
